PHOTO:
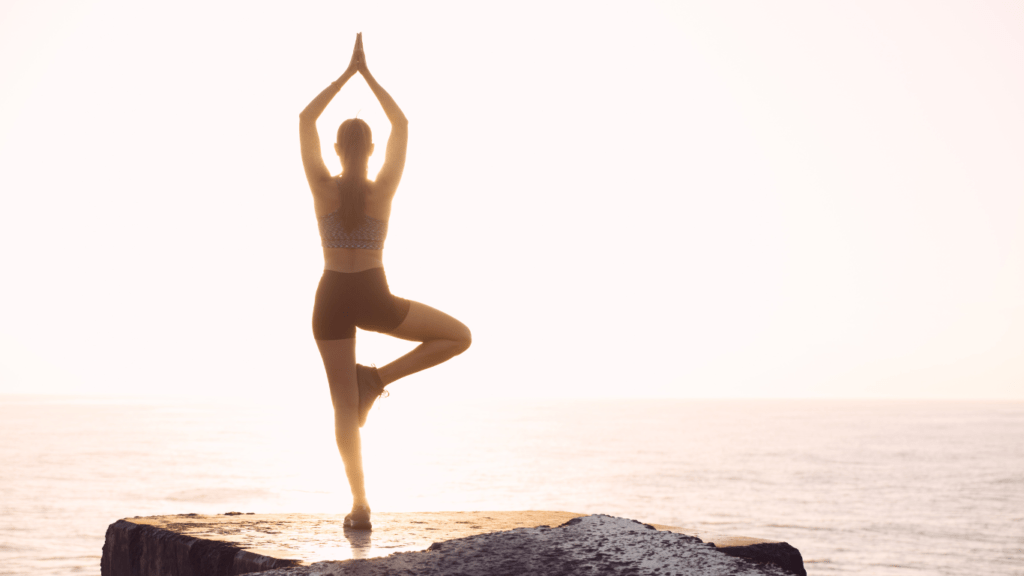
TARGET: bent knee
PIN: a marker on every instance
(465, 340)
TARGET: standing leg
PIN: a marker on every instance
(442, 338)
(339, 358)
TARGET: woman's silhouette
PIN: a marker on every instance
(352, 212)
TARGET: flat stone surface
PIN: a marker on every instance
(595, 545)
(484, 543)
(314, 537)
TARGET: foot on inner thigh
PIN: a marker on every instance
(370, 388)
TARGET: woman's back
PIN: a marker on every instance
(352, 210)
(358, 246)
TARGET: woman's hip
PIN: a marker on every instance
(346, 300)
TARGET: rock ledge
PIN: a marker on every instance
(463, 543)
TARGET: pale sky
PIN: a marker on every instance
(632, 199)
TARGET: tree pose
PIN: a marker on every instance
(352, 212)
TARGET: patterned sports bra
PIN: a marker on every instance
(368, 235)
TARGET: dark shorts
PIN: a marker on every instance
(346, 300)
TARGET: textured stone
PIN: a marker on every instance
(485, 543)
(778, 553)
(138, 549)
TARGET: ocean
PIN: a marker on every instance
(859, 487)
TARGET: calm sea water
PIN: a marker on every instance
(881, 488)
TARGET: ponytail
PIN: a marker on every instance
(354, 140)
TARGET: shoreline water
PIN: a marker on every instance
(871, 486)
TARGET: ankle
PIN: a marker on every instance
(383, 376)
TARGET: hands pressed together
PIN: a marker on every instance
(358, 62)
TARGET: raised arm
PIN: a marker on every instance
(394, 157)
(309, 139)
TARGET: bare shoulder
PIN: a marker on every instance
(378, 204)
(325, 196)
(383, 188)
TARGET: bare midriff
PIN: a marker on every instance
(352, 259)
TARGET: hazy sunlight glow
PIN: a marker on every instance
(700, 199)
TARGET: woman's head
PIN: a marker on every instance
(354, 146)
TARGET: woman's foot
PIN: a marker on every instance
(358, 518)
(370, 388)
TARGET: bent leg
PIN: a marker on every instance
(339, 358)
(442, 337)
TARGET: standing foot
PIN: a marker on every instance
(358, 518)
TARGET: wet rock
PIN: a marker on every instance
(448, 543)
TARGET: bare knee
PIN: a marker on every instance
(346, 405)
(345, 400)
(346, 426)
(465, 339)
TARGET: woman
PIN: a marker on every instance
(352, 212)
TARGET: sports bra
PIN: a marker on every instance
(368, 235)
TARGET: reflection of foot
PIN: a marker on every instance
(370, 388)
(358, 518)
